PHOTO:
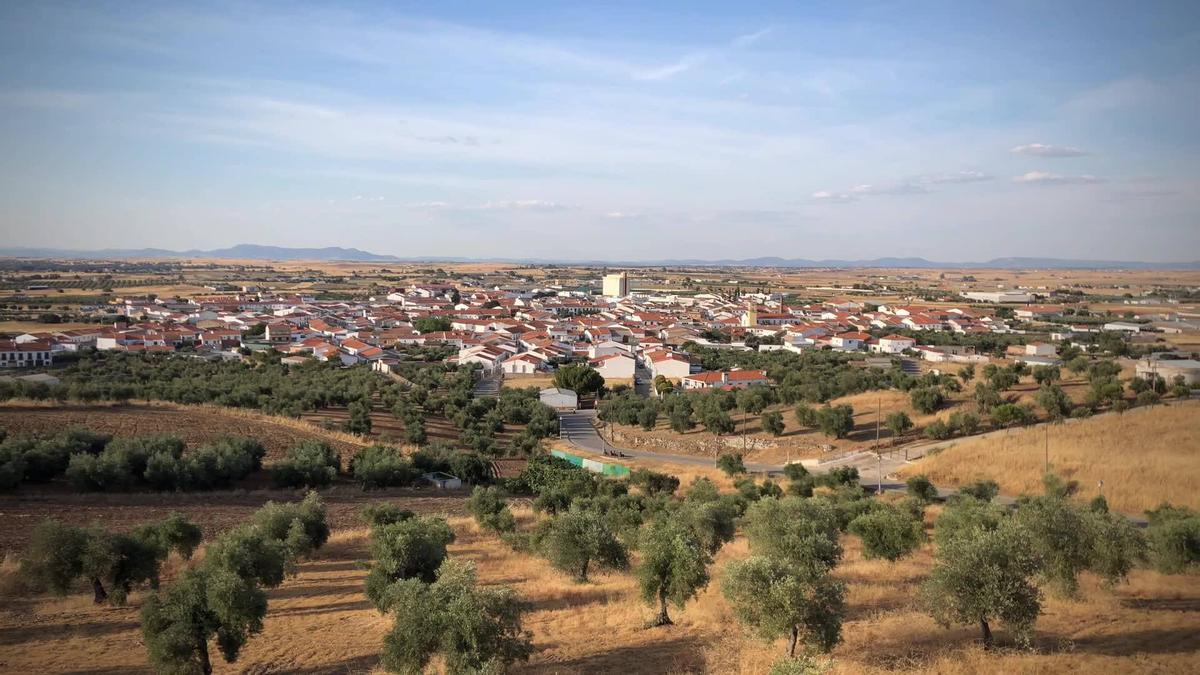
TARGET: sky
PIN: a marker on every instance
(956, 131)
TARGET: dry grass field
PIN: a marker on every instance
(195, 424)
(320, 622)
(18, 327)
(1144, 456)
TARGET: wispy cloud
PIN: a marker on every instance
(1043, 150)
(670, 70)
(915, 185)
(748, 39)
(526, 205)
(834, 197)
(536, 205)
(955, 177)
(1048, 178)
(698, 58)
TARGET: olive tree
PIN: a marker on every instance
(731, 464)
(222, 598)
(1070, 539)
(921, 488)
(836, 421)
(898, 423)
(713, 522)
(772, 423)
(983, 578)
(490, 510)
(1174, 538)
(112, 562)
(927, 399)
(802, 532)
(574, 540)
(308, 464)
(301, 526)
(475, 630)
(888, 533)
(408, 549)
(674, 565)
(776, 599)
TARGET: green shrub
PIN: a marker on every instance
(381, 466)
(921, 489)
(490, 510)
(309, 464)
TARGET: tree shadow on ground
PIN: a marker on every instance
(668, 654)
(576, 597)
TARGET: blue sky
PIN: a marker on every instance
(950, 130)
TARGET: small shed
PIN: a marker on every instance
(559, 399)
(443, 481)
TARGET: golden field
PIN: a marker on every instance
(1144, 456)
(319, 621)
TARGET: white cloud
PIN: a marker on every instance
(750, 38)
(905, 188)
(1043, 150)
(670, 70)
(834, 197)
(695, 59)
(953, 178)
(526, 205)
(1047, 178)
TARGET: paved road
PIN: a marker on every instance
(489, 385)
(641, 381)
(873, 470)
(576, 428)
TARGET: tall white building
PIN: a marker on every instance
(616, 285)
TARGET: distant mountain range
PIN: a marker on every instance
(242, 251)
(334, 253)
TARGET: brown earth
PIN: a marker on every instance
(320, 622)
(195, 424)
(214, 511)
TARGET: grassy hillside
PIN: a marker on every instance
(1144, 456)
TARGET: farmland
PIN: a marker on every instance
(1144, 456)
(196, 424)
(1152, 624)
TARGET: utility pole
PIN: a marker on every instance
(1047, 448)
(878, 450)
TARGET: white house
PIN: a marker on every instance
(1122, 327)
(614, 366)
(893, 344)
(725, 379)
(24, 354)
(668, 364)
(1169, 369)
(559, 399)
(607, 347)
(526, 363)
(849, 341)
(1040, 349)
(488, 356)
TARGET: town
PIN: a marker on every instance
(625, 334)
(667, 338)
